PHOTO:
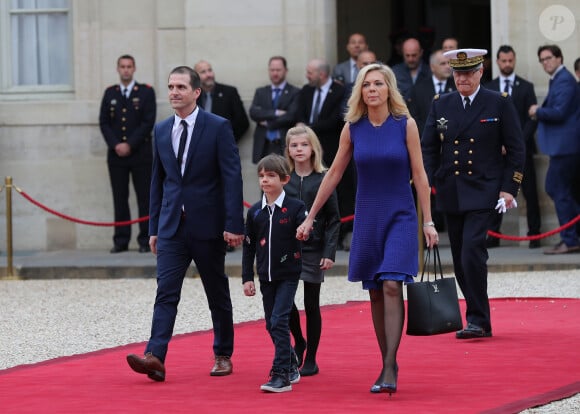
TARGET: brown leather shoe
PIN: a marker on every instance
(222, 367)
(561, 248)
(150, 365)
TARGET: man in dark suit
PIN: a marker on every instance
(419, 103)
(422, 93)
(320, 106)
(220, 99)
(126, 119)
(196, 205)
(559, 137)
(523, 96)
(462, 149)
(412, 69)
(274, 110)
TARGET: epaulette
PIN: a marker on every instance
(436, 97)
(505, 94)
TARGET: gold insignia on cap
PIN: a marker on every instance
(518, 177)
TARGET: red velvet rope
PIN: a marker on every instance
(536, 236)
(248, 205)
(76, 220)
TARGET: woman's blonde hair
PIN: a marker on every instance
(356, 105)
(316, 157)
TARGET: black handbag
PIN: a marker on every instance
(433, 306)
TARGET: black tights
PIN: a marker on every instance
(313, 324)
(388, 313)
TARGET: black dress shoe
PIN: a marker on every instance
(535, 244)
(309, 369)
(149, 364)
(472, 331)
(144, 249)
(119, 249)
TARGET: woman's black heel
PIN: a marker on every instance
(376, 387)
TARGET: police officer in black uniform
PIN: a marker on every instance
(462, 150)
(126, 119)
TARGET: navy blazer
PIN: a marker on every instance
(559, 117)
(210, 190)
(523, 96)
(262, 110)
(462, 150)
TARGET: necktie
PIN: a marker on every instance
(506, 89)
(208, 102)
(125, 93)
(273, 134)
(467, 103)
(440, 85)
(182, 141)
(316, 107)
(353, 73)
(276, 98)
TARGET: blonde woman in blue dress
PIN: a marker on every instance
(383, 140)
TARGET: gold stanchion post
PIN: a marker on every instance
(9, 252)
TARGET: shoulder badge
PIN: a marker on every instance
(505, 94)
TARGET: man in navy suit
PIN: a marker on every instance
(274, 110)
(196, 205)
(559, 137)
(462, 149)
(220, 99)
(523, 97)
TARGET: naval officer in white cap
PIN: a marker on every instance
(462, 151)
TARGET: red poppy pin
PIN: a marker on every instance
(284, 210)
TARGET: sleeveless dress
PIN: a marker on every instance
(384, 241)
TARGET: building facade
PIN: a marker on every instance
(58, 56)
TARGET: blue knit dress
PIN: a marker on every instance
(385, 226)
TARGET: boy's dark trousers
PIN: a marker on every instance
(278, 298)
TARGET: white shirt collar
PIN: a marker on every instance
(281, 86)
(190, 119)
(278, 201)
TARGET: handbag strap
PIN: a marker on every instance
(437, 267)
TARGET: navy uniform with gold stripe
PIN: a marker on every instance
(462, 151)
(129, 120)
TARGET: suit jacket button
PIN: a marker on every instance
(124, 138)
(470, 152)
(469, 172)
(456, 172)
(456, 142)
(471, 140)
(456, 162)
(456, 152)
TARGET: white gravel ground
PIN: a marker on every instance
(45, 319)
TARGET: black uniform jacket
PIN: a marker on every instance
(128, 120)
(462, 150)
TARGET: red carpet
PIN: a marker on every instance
(532, 359)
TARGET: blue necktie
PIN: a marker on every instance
(273, 135)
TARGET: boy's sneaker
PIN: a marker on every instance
(294, 374)
(279, 382)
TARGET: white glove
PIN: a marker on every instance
(501, 206)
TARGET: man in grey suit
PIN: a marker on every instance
(345, 72)
(274, 110)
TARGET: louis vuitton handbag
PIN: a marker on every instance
(433, 306)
